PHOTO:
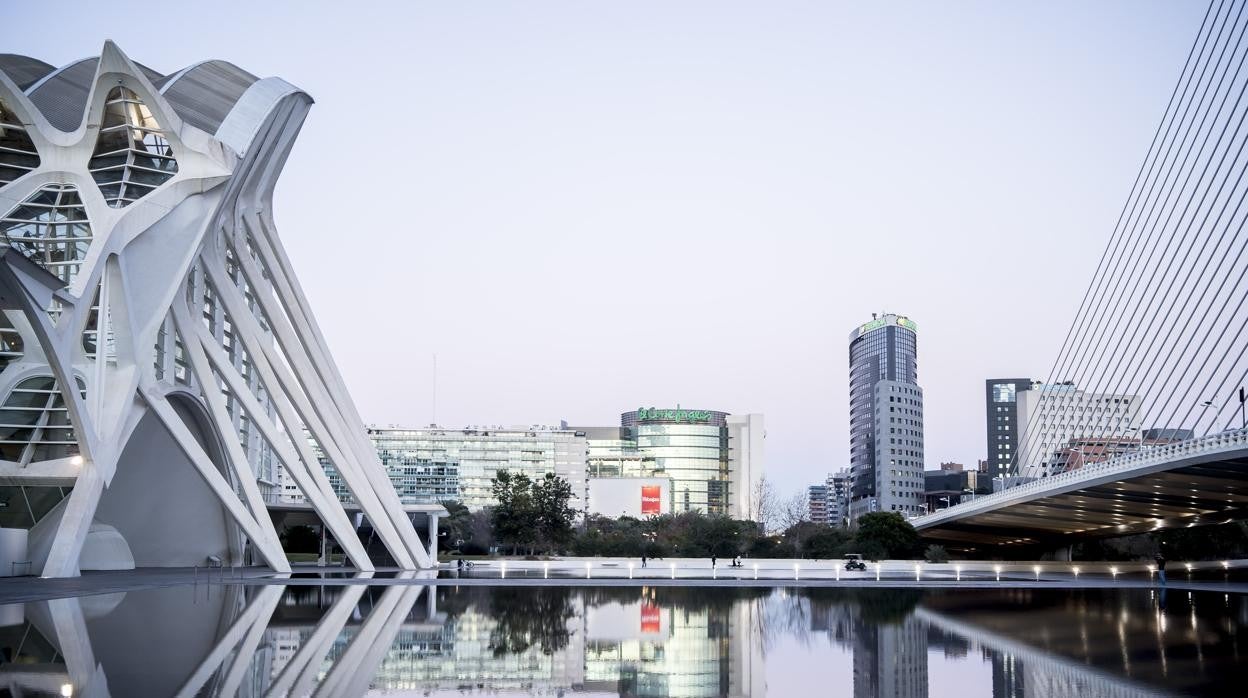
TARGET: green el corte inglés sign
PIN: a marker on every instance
(676, 415)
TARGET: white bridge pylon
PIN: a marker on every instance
(153, 327)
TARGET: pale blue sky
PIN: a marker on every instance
(583, 208)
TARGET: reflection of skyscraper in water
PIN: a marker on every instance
(649, 648)
(630, 642)
(890, 659)
(1007, 676)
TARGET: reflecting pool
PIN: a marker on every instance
(448, 640)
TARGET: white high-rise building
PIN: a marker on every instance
(839, 484)
(1052, 415)
(885, 418)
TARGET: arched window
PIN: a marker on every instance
(132, 156)
(34, 424)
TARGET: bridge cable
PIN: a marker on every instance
(1073, 353)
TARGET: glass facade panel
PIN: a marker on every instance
(132, 156)
(50, 228)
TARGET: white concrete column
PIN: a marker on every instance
(433, 539)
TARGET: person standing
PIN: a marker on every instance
(1161, 567)
(712, 562)
(643, 560)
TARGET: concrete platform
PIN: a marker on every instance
(893, 575)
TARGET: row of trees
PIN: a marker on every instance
(693, 534)
(534, 517)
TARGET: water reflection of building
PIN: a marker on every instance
(630, 642)
(890, 659)
(263, 640)
(641, 648)
(889, 653)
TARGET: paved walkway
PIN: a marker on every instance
(22, 589)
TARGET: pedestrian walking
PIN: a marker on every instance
(1161, 568)
(712, 562)
(643, 560)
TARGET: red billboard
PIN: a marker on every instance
(650, 503)
(650, 619)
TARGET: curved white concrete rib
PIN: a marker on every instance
(180, 286)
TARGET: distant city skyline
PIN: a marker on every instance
(580, 210)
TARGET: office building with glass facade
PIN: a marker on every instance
(1002, 426)
(885, 418)
(711, 461)
(434, 464)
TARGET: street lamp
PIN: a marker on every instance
(1243, 419)
(1204, 407)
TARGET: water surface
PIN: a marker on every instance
(446, 640)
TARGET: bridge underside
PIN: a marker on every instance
(1191, 495)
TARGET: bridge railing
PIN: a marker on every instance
(1149, 455)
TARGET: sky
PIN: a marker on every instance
(585, 208)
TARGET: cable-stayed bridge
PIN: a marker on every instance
(1141, 422)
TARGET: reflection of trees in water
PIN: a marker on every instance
(676, 598)
(524, 617)
(876, 606)
(530, 616)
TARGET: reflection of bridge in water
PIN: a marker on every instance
(1041, 643)
(1098, 643)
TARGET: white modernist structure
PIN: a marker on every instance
(139, 265)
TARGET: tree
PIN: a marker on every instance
(764, 505)
(554, 515)
(793, 512)
(936, 553)
(480, 534)
(515, 517)
(455, 526)
(885, 534)
(825, 542)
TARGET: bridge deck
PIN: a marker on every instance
(1192, 483)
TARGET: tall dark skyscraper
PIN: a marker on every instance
(1001, 414)
(885, 418)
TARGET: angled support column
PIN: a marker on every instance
(311, 479)
(275, 374)
(329, 510)
(238, 462)
(252, 527)
(293, 328)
